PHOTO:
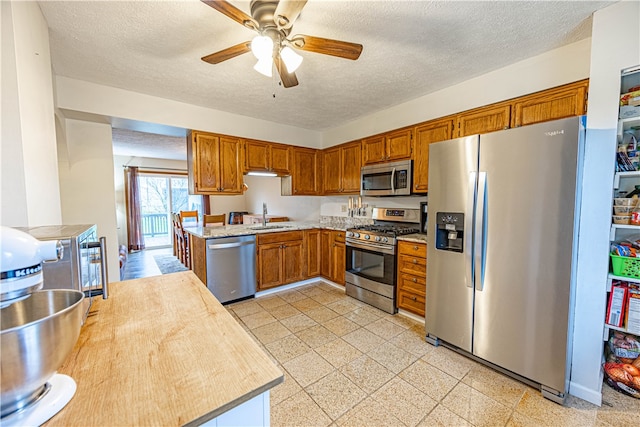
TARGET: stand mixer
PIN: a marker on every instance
(39, 330)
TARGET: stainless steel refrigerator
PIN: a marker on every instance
(502, 244)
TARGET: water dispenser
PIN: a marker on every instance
(449, 231)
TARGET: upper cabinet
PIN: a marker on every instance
(214, 164)
(305, 174)
(564, 101)
(433, 131)
(341, 167)
(261, 156)
(483, 120)
(388, 147)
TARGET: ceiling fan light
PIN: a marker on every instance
(264, 66)
(290, 58)
(262, 47)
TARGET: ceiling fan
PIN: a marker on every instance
(273, 20)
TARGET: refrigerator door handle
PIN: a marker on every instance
(468, 226)
(480, 232)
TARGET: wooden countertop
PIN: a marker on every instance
(162, 351)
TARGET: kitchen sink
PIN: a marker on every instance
(268, 227)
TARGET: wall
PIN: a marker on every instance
(556, 67)
(87, 183)
(30, 192)
(77, 95)
(267, 189)
(615, 46)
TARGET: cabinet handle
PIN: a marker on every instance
(415, 248)
(414, 280)
(415, 261)
(414, 299)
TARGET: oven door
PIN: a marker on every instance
(371, 264)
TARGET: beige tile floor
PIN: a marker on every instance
(349, 364)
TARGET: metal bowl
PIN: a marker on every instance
(38, 333)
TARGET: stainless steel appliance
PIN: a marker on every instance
(503, 209)
(371, 256)
(386, 179)
(423, 217)
(84, 264)
(231, 267)
(39, 330)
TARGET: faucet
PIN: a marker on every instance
(264, 214)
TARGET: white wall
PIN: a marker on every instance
(267, 189)
(77, 95)
(556, 67)
(615, 46)
(30, 192)
(87, 183)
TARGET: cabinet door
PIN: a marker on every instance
(305, 172)
(293, 261)
(206, 161)
(313, 249)
(270, 266)
(434, 131)
(398, 145)
(338, 264)
(256, 156)
(373, 150)
(280, 159)
(552, 104)
(411, 302)
(483, 120)
(332, 171)
(230, 173)
(351, 161)
(198, 257)
(326, 246)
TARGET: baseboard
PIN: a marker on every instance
(291, 286)
(411, 316)
(584, 393)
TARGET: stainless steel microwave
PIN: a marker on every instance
(386, 179)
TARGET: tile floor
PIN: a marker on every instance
(349, 364)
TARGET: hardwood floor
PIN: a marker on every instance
(142, 264)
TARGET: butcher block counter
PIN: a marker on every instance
(162, 351)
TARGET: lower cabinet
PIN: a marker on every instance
(313, 250)
(280, 258)
(412, 277)
(333, 250)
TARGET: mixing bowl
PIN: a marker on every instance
(38, 333)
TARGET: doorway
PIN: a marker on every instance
(161, 194)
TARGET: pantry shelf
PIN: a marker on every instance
(611, 277)
(627, 124)
(619, 175)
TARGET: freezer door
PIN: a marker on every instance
(452, 175)
(522, 304)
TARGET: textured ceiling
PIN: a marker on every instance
(142, 144)
(411, 48)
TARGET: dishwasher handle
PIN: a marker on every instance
(230, 245)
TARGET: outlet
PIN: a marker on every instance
(343, 208)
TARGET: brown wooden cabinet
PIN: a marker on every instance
(280, 258)
(564, 101)
(261, 156)
(333, 249)
(483, 120)
(198, 252)
(412, 277)
(305, 174)
(426, 133)
(313, 250)
(341, 169)
(214, 164)
(387, 147)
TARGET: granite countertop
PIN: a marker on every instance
(162, 351)
(416, 238)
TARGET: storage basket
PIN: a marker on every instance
(625, 266)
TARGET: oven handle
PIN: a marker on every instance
(389, 250)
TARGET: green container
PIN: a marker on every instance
(625, 266)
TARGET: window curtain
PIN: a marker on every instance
(134, 219)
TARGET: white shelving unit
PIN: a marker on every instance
(624, 182)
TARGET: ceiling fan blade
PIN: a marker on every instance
(287, 12)
(232, 12)
(288, 79)
(327, 46)
(228, 53)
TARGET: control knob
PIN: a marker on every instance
(377, 238)
(349, 233)
(356, 235)
(385, 239)
(367, 237)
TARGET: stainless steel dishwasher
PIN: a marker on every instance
(231, 267)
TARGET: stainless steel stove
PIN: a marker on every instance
(371, 256)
